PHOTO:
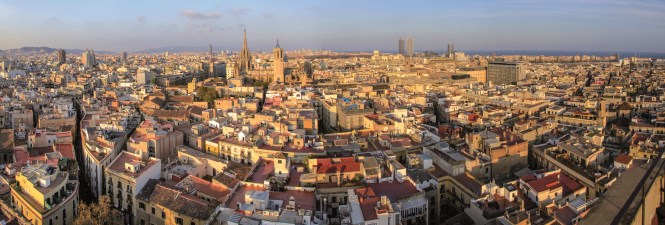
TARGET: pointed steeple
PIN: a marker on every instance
(245, 61)
(244, 40)
(277, 46)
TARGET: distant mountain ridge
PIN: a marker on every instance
(44, 49)
(178, 49)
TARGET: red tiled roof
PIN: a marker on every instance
(181, 98)
(623, 159)
(554, 181)
(565, 215)
(67, 150)
(208, 188)
(469, 182)
(345, 165)
(394, 190)
(545, 183)
(528, 177)
(368, 200)
(304, 200)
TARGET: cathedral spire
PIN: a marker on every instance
(244, 40)
(277, 46)
(245, 61)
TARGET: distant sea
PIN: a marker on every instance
(622, 54)
(569, 53)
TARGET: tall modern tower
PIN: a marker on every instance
(123, 57)
(278, 63)
(409, 46)
(62, 57)
(245, 60)
(211, 55)
(88, 58)
(401, 46)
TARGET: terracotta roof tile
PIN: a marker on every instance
(345, 165)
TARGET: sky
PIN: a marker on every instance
(340, 25)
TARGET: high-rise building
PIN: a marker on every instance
(505, 72)
(409, 46)
(211, 55)
(401, 46)
(278, 64)
(88, 58)
(451, 51)
(62, 58)
(245, 60)
(123, 57)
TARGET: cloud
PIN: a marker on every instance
(140, 18)
(200, 15)
(240, 11)
(267, 15)
(52, 21)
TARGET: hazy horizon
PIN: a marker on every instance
(587, 25)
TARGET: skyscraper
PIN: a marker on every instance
(245, 60)
(123, 57)
(278, 63)
(88, 58)
(409, 46)
(401, 46)
(62, 57)
(451, 51)
(211, 55)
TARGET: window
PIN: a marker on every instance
(141, 206)
(163, 215)
(193, 223)
(178, 221)
(153, 210)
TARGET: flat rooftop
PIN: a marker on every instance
(618, 194)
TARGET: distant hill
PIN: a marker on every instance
(45, 50)
(178, 49)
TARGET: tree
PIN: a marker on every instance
(97, 213)
(207, 94)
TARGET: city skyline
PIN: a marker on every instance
(488, 25)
